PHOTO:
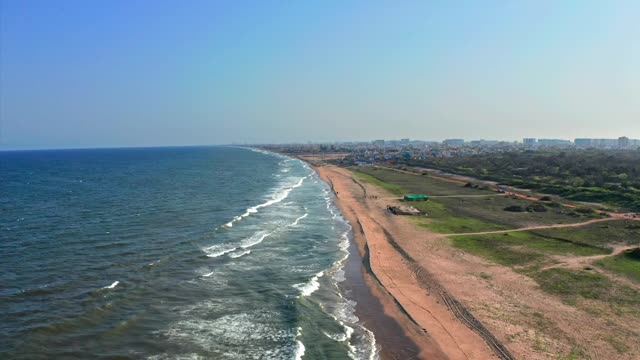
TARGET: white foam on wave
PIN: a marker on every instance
(254, 239)
(344, 311)
(311, 286)
(216, 252)
(115, 283)
(336, 337)
(208, 274)
(242, 253)
(299, 345)
(277, 197)
(234, 333)
(298, 219)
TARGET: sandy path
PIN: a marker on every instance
(574, 262)
(540, 227)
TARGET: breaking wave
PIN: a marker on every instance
(115, 283)
(242, 253)
(311, 286)
(277, 197)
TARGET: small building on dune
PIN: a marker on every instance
(404, 210)
(416, 197)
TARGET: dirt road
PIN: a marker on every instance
(538, 227)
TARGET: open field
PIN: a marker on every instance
(521, 248)
(468, 209)
(608, 177)
(444, 220)
(419, 183)
(391, 188)
(599, 234)
(576, 286)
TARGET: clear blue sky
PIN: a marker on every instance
(139, 73)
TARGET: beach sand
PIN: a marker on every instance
(407, 293)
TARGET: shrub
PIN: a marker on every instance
(585, 210)
(536, 208)
(514, 208)
(633, 254)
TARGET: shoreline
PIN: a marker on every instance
(397, 334)
(372, 309)
(377, 312)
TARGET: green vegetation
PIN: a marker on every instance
(496, 250)
(452, 225)
(571, 285)
(417, 184)
(620, 346)
(576, 353)
(474, 213)
(394, 189)
(610, 177)
(601, 234)
(520, 248)
(528, 252)
(441, 220)
(626, 264)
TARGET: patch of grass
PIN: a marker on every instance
(392, 188)
(520, 248)
(553, 246)
(600, 234)
(495, 249)
(454, 225)
(620, 346)
(418, 183)
(571, 285)
(441, 220)
(491, 209)
(486, 276)
(576, 353)
(622, 264)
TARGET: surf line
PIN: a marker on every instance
(277, 197)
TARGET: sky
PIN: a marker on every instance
(149, 73)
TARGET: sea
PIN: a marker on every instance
(173, 253)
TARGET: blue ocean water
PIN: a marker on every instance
(168, 253)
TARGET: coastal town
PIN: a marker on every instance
(383, 150)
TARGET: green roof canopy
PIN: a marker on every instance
(416, 197)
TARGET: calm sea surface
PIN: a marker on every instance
(169, 253)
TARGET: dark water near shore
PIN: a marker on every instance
(172, 253)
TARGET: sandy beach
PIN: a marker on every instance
(454, 305)
(410, 295)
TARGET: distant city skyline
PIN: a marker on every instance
(117, 74)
